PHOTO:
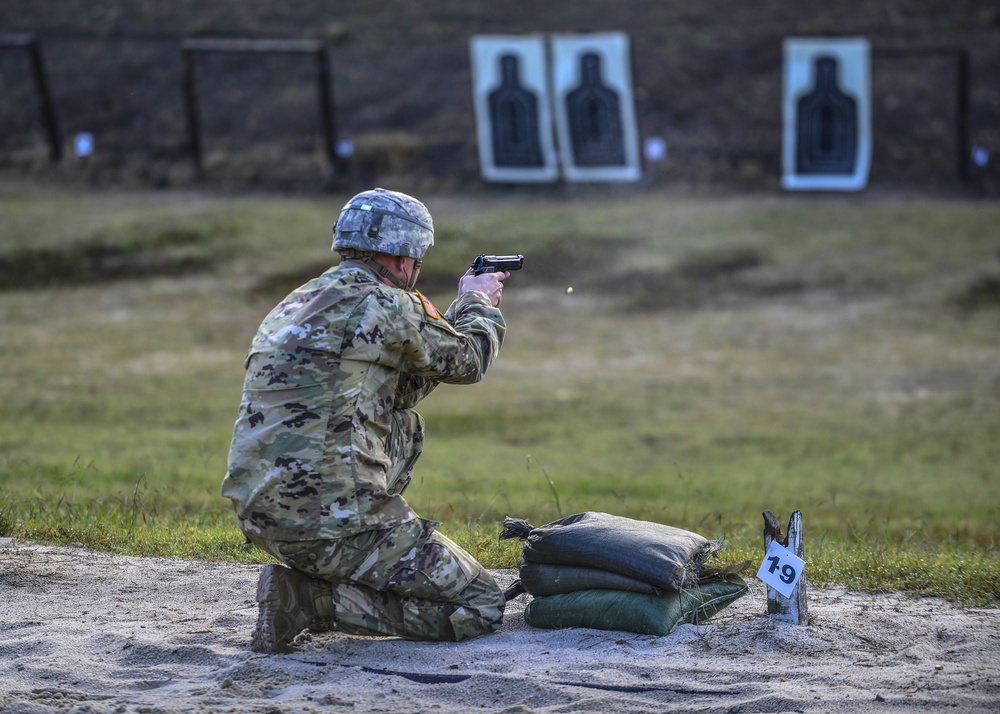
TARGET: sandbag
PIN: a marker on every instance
(660, 555)
(542, 579)
(641, 613)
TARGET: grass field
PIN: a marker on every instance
(716, 357)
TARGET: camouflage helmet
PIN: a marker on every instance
(383, 221)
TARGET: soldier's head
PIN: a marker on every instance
(382, 221)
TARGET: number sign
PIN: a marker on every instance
(781, 569)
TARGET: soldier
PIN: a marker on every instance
(326, 439)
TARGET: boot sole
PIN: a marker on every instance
(265, 638)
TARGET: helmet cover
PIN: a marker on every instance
(384, 221)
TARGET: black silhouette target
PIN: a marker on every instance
(827, 125)
(594, 113)
(514, 119)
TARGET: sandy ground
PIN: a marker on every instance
(89, 632)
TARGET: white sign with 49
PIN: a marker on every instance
(781, 569)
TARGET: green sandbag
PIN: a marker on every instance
(540, 579)
(661, 555)
(634, 612)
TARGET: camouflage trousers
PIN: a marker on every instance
(409, 581)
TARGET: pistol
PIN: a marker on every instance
(497, 263)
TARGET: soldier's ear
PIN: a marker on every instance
(395, 262)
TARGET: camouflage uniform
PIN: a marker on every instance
(326, 441)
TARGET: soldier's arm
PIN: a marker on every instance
(457, 347)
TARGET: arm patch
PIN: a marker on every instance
(429, 308)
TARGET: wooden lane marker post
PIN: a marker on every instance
(783, 570)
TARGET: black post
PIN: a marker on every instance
(45, 99)
(327, 122)
(191, 107)
(40, 78)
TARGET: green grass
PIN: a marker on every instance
(717, 357)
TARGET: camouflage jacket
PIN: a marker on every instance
(325, 371)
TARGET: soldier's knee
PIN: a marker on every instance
(481, 609)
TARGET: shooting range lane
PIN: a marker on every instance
(81, 628)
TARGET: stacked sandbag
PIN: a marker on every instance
(613, 573)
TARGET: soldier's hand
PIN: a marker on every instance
(489, 283)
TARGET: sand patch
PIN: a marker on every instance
(90, 632)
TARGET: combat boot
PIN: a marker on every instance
(289, 602)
